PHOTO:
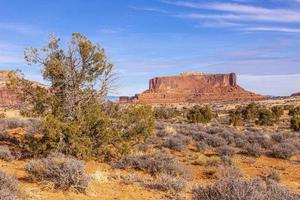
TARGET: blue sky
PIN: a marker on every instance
(257, 39)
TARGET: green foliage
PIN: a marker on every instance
(278, 111)
(250, 112)
(294, 111)
(75, 118)
(266, 117)
(199, 114)
(235, 118)
(295, 123)
(164, 112)
(2, 115)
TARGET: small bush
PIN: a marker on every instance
(164, 112)
(266, 117)
(295, 123)
(2, 115)
(11, 123)
(8, 187)
(199, 114)
(215, 141)
(201, 146)
(166, 183)
(235, 119)
(294, 111)
(5, 153)
(278, 111)
(229, 189)
(283, 150)
(177, 142)
(65, 172)
(226, 151)
(154, 164)
(250, 112)
(272, 176)
(252, 150)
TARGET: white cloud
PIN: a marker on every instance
(18, 27)
(273, 29)
(238, 12)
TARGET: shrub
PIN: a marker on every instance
(228, 188)
(226, 151)
(164, 112)
(2, 115)
(283, 150)
(215, 141)
(97, 135)
(177, 142)
(8, 187)
(235, 119)
(11, 123)
(154, 164)
(5, 153)
(250, 112)
(278, 111)
(295, 123)
(266, 118)
(201, 146)
(199, 114)
(167, 182)
(252, 150)
(294, 111)
(65, 172)
(272, 176)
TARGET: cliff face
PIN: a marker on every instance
(191, 87)
(7, 97)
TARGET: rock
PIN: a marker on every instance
(7, 97)
(192, 88)
(296, 94)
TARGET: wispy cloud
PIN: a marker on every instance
(110, 30)
(18, 27)
(273, 29)
(246, 12)
(149, 9)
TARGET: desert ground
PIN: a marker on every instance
(185, 158)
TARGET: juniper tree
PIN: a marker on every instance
(79, 77)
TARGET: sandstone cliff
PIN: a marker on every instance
(193, 87)
(7, 97)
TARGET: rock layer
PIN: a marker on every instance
(7, 96)
(192, 88)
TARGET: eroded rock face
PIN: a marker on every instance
(193, 87)
(296, 94)
(7, 97)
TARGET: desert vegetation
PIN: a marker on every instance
(72, 141)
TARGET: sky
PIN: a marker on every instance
(257, 39)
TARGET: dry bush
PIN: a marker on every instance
(283, 150)
(166, 182)
(199, 114)
(65, 172)
(200, 147)
(5, 153)
(8, 187)
(252, 150)
(154, 164)
(253, 189)
(11, 123)
(215, 141)
(164, 112)
(177, 142)
(226, 151)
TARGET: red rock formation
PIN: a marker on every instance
(296, 94)
(194, 87)
(7, 97)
